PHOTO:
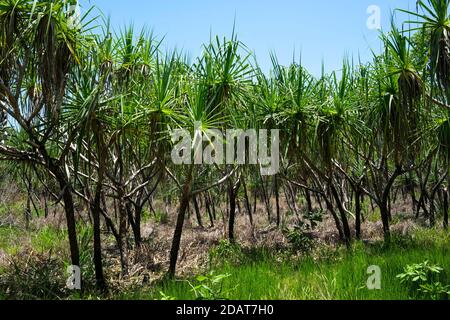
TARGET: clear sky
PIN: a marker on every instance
(321, 30)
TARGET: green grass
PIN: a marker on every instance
(48, 238)
(10, 239)
(340, 274)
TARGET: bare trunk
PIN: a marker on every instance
(358, 214)
(247, 203)
(385, 220)
(308, 200)
(69, 210)
(266, 199)
(384, 206)
(28, 211)
(197, 212)
(343, 214)
(335, 218)
(208, 209)
(277, 200)
(123, 246)
(98, 264)
(232, 217)
(445, 196)
(176, 241)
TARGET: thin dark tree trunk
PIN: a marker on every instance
(137, 225)
(385, 220)
(69, 210)
(343, 214)
(96, 208)
(335, 218)
(213, 206)
(445, 196)
(266, 199)
(45, 195)
(176, 241)
(384, 208)
(232, 216)
(412, 192)
(308, 200)
(98, 264)
(389, 204)
(247, 202)
(208, 209)
(123, 246)
(291, 194)
(277, 200)
(197, 212)
(255, 201)
(28, 211)
(135, 222)
(358, 214)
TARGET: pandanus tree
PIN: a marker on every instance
(225, 70)
(40, 46)
(268, 103)
(132, 162)
(334, 117)
(434, 19)
(296, 100)
(350, 164)
(207, 97)
(196, 115)
(394, 117)
(86, 107)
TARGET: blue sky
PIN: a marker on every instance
(321, 30)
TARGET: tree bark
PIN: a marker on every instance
(343, 214)
(176, 241)
(96, 208)
(308, 200)
(98, 264)
(123, 246)
(277, 200)
(445, 194)
(384, 207)
(358, 214)
(335, 217)
(247, 202)
(232, 217)
(69, 210)
(197, 212)
(208, 209)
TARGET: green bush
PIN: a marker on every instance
(300, 237)
(209, 287)
(424, 280)
(227, 252)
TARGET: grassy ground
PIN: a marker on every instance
(33, 264)
(251, 274)
(326, 274)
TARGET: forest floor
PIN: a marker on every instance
(265, 263)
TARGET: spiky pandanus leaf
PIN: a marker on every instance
(434, 18)
(404, 91)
